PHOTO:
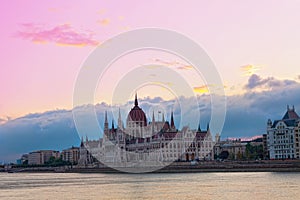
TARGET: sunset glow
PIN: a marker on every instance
(41, 58)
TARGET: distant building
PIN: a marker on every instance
(71, 155)
(19, 162)
(265, 147)
(23, 159)
(42, 156)
(255, 142)
(283, 136)
(85, 156)
(235, 149)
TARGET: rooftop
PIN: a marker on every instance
(290, 114)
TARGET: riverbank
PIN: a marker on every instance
(177, 167)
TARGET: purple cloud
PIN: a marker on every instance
(63, 34)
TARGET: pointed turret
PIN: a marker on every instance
(269, 123)
(163, 117)
(207, 126)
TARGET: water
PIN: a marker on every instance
(150, 186)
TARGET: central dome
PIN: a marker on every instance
(136, 114)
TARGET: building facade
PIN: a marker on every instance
(147, 141)
(41, 157)
(283, 136)
(265, 147)
(71, 155)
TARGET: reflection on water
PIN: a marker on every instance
(150, 186)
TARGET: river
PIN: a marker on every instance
(261, 185)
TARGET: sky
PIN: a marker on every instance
(254, 45)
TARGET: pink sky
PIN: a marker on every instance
(43, 44)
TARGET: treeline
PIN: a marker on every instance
(52, 162)
(254, 152)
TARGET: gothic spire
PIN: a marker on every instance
(172, 120)
(153, 119)
(105, 121)
(105, 117)
(199, 129)
(120, 120)
(112, 125)
(81, 143)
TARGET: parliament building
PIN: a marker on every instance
(142, 141)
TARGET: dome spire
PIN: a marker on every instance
(136, 101)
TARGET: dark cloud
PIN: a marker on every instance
(246, 116)
(257, 82)
(49, 130)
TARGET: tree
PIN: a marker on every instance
(224, 155)
(254, 152)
